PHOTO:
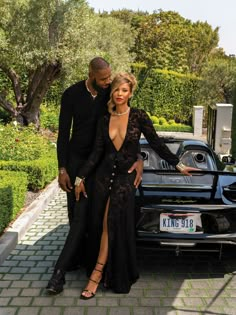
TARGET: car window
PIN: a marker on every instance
(173, 146)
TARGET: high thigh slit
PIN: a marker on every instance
(103, 251)
(97, 273)
(113, 182)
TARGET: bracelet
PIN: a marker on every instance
(180, 166)
(62, 170)
(140, 157)
(78, 180)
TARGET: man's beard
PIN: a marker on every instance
(99, 89)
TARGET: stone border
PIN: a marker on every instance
(15, 233)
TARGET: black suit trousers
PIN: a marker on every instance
(74, 250)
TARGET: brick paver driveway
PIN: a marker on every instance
(192, 283)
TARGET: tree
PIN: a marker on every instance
(131, 17)
(219, 86)
(167, 40)
(201, 43)
(41, 40)
(218, 81)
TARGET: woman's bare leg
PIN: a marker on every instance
(96, 275)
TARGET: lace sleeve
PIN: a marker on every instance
(97, 152)
(156, 143)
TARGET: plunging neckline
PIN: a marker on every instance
(127, 125)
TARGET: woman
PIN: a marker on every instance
(112, 245)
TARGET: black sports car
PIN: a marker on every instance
(183, 211)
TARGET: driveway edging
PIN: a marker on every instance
(17, 230)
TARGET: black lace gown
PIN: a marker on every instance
(113, 181)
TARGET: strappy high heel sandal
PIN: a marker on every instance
(92, 293)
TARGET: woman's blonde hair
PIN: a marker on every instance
(120, 78)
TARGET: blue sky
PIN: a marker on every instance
(215, 12)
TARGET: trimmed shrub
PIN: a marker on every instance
(13, 187)
(24, 149)
(154, 119)
(161, 124)
(162, 121)
(21, 143)
(39, 172)
(174, 128)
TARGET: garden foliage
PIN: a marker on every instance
(23, 149)
(166, 93)
(13, 187)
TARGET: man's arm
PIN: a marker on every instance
(65, 121)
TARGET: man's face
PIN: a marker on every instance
(101, 79)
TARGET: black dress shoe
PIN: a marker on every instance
(55, 284)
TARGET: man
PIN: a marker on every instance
(81, 106)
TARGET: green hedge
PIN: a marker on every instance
(166, 93)
(13, 188)
(39, 172)
(22, 143)
(161, 124)
(173, 128)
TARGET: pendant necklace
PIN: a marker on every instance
(86, 84)
(121, 114)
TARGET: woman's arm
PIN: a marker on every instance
(158, 145)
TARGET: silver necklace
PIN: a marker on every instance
(121, 114)
(86, 84)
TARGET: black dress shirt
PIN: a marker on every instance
(78, 119)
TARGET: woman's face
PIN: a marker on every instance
(121, 94)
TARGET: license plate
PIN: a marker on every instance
(179, 223)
